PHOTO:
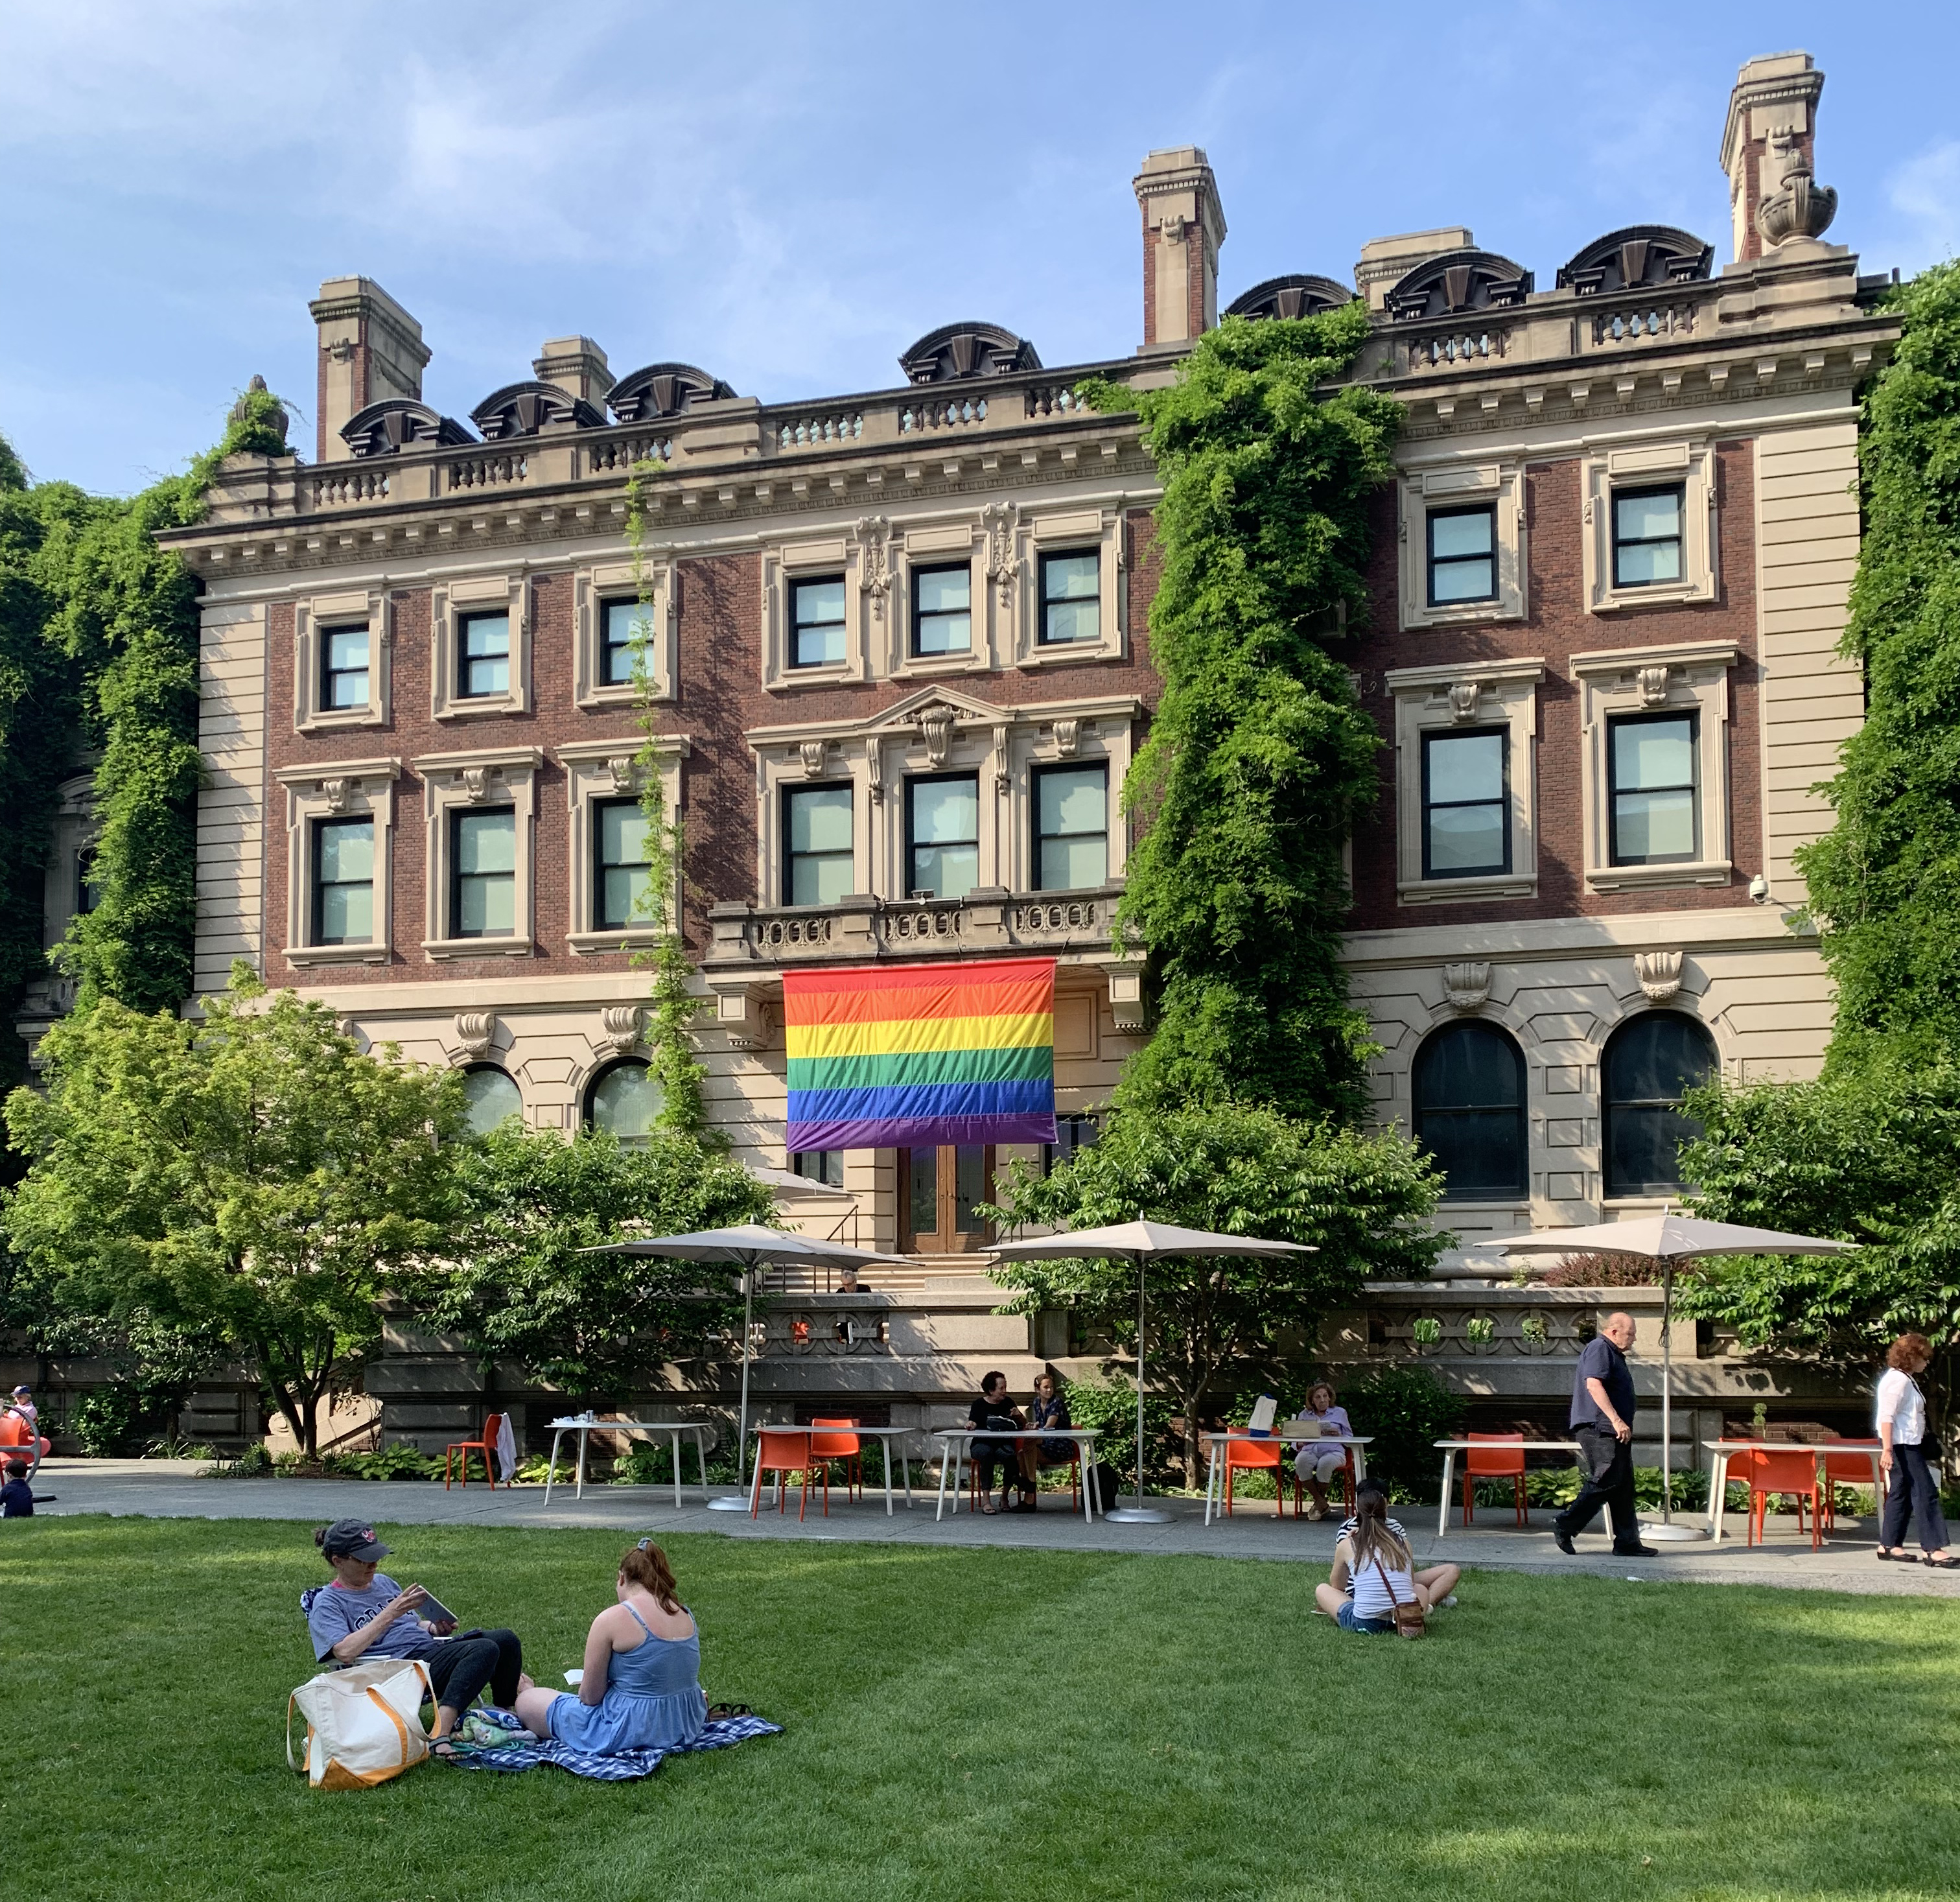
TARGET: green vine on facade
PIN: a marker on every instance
(1260, 756)
(670, 1039)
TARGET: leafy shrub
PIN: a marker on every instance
(1601, 1271)
(107, 1420)
(255, 1463)
(1404, 1410)
(397, 1462)
(1110, 1407)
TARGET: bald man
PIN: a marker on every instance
(1602, 1422)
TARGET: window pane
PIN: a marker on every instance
(820, 1165)
(485, 652)
(820, 820)
(1072, 605)
(486, 884)
(1469, 1109)
(1650, 1063)
(945, 809)
(623, 836)
(486, 841)
(1074, 800)
(347, 851)
(1466, 581)
(945, 871)
(1653, 825)
(816, 616)
(1647, 517)
(923, 1173)
(625, 1100)
(970, 1185)
(624, 868)
(346, 914)
(346, 647)
(1470, 766)
(943, 600)
(623, 618)
(820, 878)
(1466, 838)
(1470, 531)
(1648, 754)
(1642, 563)
(491, 1098)
(1074, 864)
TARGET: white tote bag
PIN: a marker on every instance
(363, 1724)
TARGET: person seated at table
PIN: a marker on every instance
(1368, 1544)
(847, 1282)
(364, 1613)
(640, 1688)
(1049, 1414)
(1316, 1463)
(993, 1408)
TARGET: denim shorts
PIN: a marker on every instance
(1346, 1619)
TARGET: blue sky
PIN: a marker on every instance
(789, 195)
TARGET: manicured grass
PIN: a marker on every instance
(983, 1724)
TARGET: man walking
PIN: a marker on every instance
(1602, 1422)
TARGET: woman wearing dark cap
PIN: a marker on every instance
(362, 1612)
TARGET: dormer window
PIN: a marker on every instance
(1462, 554)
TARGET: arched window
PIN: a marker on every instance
(624, 1097)
(1470, 1110)
(491, 1097)
(1649, 1061)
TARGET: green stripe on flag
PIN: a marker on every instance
(922, 1066)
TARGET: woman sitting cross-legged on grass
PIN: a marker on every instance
(1373, 1569)
(364, 1613)
(641, 1687)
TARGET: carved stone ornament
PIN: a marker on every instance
(620, 768)
(1468, 986)
(1799, 207)
(476, 784)
(877, 792)
(1002, 779)
(336, 792)
(812, 752)
(874, 570)
(1067, 737)
(474, 1030)
(1660, 974)
(620, 1027)
(936, 725)
(1463, 696)
(1002, 569)
(1653, 683)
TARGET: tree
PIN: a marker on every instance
(595, 1324)
(257, 1174)
(1238, 1169)
(1259, 754)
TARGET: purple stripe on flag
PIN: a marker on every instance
(916, 1133)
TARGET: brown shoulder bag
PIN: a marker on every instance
(1411, 1621)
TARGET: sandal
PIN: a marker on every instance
(1949, 1563)
(989, 1507)
(1893, 1558)
(720, 1713)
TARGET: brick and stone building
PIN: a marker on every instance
(899, 647)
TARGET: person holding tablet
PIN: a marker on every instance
(362, 1612)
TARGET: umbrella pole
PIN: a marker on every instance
(1667, 1531)
(1139, 1514)
(738, 1501)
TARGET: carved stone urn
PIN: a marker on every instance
(1799, 207)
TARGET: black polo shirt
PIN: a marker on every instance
(1604, 1362)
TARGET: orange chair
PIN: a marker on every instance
(487, 1446)
(1847, 1469)
(781, 1452)
(1769, 1474)
(18, 1441)
(847, 1446)
(1494, 1456)
(1345, 1481)
(1255, 1456)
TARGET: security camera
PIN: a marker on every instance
(1759, 889)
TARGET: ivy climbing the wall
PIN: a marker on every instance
(1260, 756)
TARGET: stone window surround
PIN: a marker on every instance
(72, 836)
(596, 770)
(1686, 677)
(1055, 530)
(1462, 485)
(483, 780)
(448, 602)
(1465, 696)
(930, 544)
(344, 789)
(1001, 745)
(862, 557)
(313, 615)
(1689, 461)
(595, 584)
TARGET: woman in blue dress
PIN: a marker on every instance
(641, 1687)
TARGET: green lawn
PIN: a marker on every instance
(982, 1724)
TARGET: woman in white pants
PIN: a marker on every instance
(1318, 1463)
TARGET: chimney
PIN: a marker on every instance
(577, 366)
(369, 349)
(1184, 225)
(1386, 261)
(1771, 130)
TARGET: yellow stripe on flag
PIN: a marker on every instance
(1036, 1031)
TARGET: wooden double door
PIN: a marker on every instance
(939, 1191)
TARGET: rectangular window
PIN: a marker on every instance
(1071, 597)
(825, 1166)
(1071, 828)
(943, 610)
(1073, 1131)
(1465, 810)
(942, 836)
(343, 881)
(624, 628)
(87, 891)
(1462, 554)
(482, 655)
(820, 865)
(483, 887)
(1647, 536)
(1657, 817)
(343, 652)
(622, 839)
(816, 622)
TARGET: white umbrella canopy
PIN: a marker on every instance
(1141, 1242)
(1668, 1239)
(749, 1246)
(788, 1183)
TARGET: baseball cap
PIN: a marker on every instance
(352, 1539)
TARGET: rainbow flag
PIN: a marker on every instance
(910, 1055)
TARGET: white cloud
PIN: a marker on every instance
(1925, 192)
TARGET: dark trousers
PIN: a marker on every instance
(1913, 1493)
(1005, 1455)
(461, 1666)
(1608, 1466)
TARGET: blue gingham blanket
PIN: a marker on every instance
(622, 1767)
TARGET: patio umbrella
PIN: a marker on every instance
(1668, 1240)
(1141, 1242)
(749, 1246)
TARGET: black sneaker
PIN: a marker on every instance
(1636, 1551)
(1563, 1540)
